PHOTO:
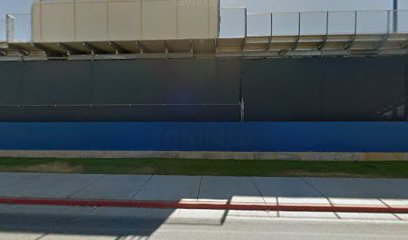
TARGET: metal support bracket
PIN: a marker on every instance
(93, 48)
(140, 47)
(47, 51)
(404, 45)
(20, 50)
(243, 44)
(349, 44)
(68, 49)
(269, 46)
(295, 44)
(118, 49)
(165, 47)
(381, 43)
(283, 52)
(323, 43)
(191, 42)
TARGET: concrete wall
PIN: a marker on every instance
(122, 20)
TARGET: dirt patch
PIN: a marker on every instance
(57, 167)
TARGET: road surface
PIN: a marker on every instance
(57, 223)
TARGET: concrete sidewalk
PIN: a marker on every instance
(330, 192)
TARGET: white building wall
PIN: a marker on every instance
(124, 20)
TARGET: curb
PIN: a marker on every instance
(202, 205)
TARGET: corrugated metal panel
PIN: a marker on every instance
(283, 136)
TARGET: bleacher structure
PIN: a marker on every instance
(127, 29)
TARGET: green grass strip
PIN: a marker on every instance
(194, 167)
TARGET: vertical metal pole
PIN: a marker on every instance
(327, 23)
(10, 20)
(299, 23)
(395, 16)
(271, 24)
(246, 22)
(355, 22)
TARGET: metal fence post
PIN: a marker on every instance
(10, 20)
(327, 23)
(299, 23)
(242, 115)
(246, 22)
(395, 16)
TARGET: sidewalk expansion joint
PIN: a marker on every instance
(259, 190)
(199, 187)
(134, 195)
(324, 195)
(86, 186)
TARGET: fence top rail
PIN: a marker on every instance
(325, 12)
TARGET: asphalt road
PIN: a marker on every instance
(55, 223)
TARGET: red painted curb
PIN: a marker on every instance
(202, 205)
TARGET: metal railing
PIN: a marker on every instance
(237, 22)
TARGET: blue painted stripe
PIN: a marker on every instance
(200, 136)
